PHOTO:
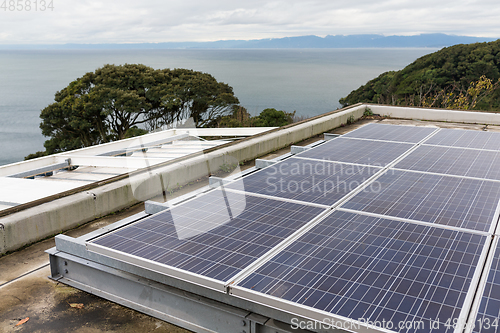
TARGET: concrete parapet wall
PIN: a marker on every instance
(42, 221)
(468, 117)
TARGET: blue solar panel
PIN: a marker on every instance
(375, 153)
(399, 133)
(453, 161)
(306, 180)
(371, 269)
(466, 139)
(452, 201)
(488, 316)
(214, 235)
(349, 265)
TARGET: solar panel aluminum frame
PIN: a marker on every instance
(447, 174)
(171, 271)
(481, 287)
(335, 204)
(300, 311)
(376, 140)
(402, 219)
(299, 154)
(455, 147)
(465, 132)
(495, 219)
(191, 277)
(303, 311)
(265, 196)
(437, 129)
(493, 225)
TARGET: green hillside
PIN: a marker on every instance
(464, 76)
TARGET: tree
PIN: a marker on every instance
(428, 79)
(110, 103)
(267, 118)
(274, 118)
(198, 96)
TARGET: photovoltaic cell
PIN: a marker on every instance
(453, 161)
(349, 265)
(375, 153)
(311, 181)
(488, 316)
(399, 133)
(466, 139)
(213, 235)
(362, 267)
(452, 201)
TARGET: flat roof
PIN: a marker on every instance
(33, 180)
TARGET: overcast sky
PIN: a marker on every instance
(132, 21)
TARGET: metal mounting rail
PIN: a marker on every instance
(42, 170)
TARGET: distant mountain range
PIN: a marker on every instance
(336, 41)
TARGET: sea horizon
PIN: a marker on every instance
(308, 81)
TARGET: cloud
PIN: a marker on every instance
(112, 21)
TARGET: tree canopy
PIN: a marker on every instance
(273, 118)
(445, 78)
(269, 117)
(110, 103)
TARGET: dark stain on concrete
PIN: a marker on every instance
(47, 304)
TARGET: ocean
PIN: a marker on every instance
(308, 81)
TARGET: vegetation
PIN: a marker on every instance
(119, 102)
(267, 118)
(35, 155)
(110, 103)
(459, 77)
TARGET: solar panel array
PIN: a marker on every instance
(452, 201)
(388, 223)
(213, 235)
(359, 266)
(454, 161)
(466, 139)
(397, 133)
(307, 180)
(358, 151)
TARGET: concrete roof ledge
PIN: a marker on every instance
(456, 116)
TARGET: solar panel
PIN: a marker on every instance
(488, 316)
(452, 201)
(371, 269)
(453, 161)
(320, 182)
(466, 139)
(399, 133)
(214, 235)
(375, 153)
(372, 259)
